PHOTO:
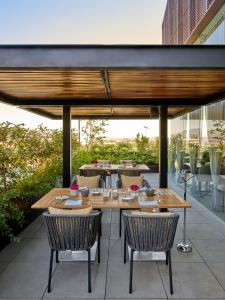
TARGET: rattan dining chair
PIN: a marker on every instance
(119, 185)
(149, 232)
(90, 173)
(75, 233)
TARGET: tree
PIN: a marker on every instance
(218, 132)
(142, 142)
(23, 150)
(93, 132)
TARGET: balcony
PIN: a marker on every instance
(200, 274)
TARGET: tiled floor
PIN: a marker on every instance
(199, 275)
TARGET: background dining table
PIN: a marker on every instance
(114, 168)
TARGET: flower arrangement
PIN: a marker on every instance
(95, 163)
(74, 186)
(134, 187)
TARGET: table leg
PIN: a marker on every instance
(184, 246)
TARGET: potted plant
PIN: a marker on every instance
(193, 151)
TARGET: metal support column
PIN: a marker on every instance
(66, 146)
(163, 141)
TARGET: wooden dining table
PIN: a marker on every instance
(114, 168)
(163, 198)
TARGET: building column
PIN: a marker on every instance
(163, 146)
(66, 146)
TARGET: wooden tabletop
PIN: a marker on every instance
(166, 198)
(114, 168)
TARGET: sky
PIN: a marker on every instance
(81, 22)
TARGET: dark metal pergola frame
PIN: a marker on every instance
(106, 57)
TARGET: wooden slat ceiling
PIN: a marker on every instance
(37, 84)
(166, 83)
(115, 112)
(44, 83)
(113, 84)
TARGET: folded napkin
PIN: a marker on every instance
(73, 202)
(148, 203)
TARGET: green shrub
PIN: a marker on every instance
(115, 153)
(36, 185)
(10, 215)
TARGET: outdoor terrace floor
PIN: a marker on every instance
(199, 275)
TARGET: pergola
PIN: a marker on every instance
(111, 82)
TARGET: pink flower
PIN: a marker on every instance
(74, 186)
(134, 187)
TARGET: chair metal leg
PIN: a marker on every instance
(120, 222)
(99, 247)
(57, 256)
(170, 272)
(100, 228)
(89, 270)
(131, 270)
(166, 257)
(50, 271)
(100, 224)
(125, 248)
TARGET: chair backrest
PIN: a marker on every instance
(149, 232)
(91, 173)
(132, 173)
(104, 161)
(128, 173)
(126, 162)
(69, 232)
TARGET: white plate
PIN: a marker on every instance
(96, 193)
(62, 197)
(128, 198)
(74, 202)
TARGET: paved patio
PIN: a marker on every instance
(199, 275)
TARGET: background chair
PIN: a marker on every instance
(75, 233)
(106, 173)
(219, 195)
(150, 232)
(126, 162)
(131, 173)
(203, 177)
(104, 161)
(90, 173)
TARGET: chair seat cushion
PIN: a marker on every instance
(127, 181)
(90, 182)
(60, 211)
(152, 214)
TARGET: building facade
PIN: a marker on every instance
(194, 22)
(197, 138)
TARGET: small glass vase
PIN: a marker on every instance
(135, 194)
(74, 192)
